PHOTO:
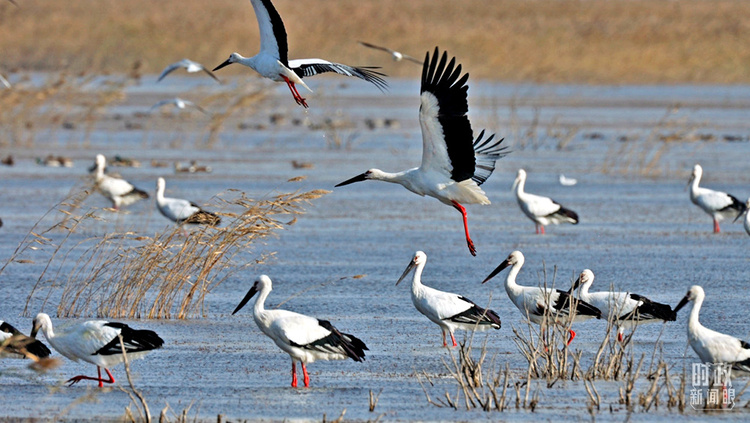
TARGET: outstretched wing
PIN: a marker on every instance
(486, 153)
(447, 138)
(272, 32)
(309, 67)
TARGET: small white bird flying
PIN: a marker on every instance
(4, 81)
(453, 164)
(272, 61)
(534, 301)
(447, 310)
(712, 346)
(567, 182)
(14, 344)
(190, 66)
(717, 204)
(306, 339)
(119, 191)
(541, 210)
(626, 309)
(182, 211)
(97, 342)
(396, 55)
(178, 103)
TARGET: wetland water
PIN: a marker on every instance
(631, 149)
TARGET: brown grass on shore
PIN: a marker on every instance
(588, 41)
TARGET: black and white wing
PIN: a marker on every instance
(476, 315)
(272, 33)
(309, 67)
(447, 138)
(649, 310)
(486, 153)
(16, 344)
(133, 340)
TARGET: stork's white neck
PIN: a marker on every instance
(693, 322)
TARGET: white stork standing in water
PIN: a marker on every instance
(14, 344)
(712, 346)
(190, 66)
(717, 204)
(533, 301)
(626, 309)
(119, 191)
(453, 164)
(304, 338)
(97, 342)
(447, 310)
(182, 211)
(272, 61)
(541, 210)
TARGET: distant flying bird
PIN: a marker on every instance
(272, 61)
(188, 65)
(534, 302)
(4, 81)
(710, 345)
(97, 342)
(306, 339)
(627, 310)
(396, 55)
(716, 204)
(14, 344)
(567, 182)
(179, 103)
(119, 191)
(453, 167)
(541, 210)
(447, 310)
(182, 211)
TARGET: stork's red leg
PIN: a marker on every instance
(572, 335)
(72, 381)
(469, 242)
(536, 227)
(619, 336)
(541, 229)
(294, 374)
(453, 339)
(307, 377)
(445, 344)
(716, 226)
(297, 97)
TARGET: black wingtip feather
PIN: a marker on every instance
(135, 340)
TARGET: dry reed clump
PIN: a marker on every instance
(167, 275)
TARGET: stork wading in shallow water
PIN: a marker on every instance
(306, 339)
(627, 310)
(14, 344)
(272, 61)
(447, 310)
(541, 210)
(534, 302)
(710, 345)
(717, 204)
(97, 342)
(453, 164)
(119, 191)
(182, 211)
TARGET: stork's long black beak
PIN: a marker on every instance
(34, 329)
(226, 63)
(682, 303)
(406, 272)
(499, 269)
(359, 178)
(244, 301)
(575, 285)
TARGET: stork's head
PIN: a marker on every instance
(585, 279)
(233, 58)
(694, 293)
(515, 258)
(420, 258)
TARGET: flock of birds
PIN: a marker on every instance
(454, 165)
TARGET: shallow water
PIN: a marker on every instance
(638, 231)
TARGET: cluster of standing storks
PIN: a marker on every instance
(453, 167)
